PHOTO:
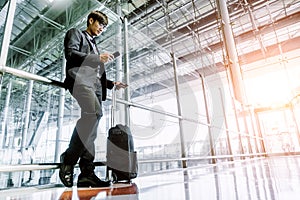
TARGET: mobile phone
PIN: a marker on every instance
(116, 54)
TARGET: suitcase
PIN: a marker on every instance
(122, 165)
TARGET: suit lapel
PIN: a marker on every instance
(92, 45)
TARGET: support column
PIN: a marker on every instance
(118, 38)
(245, 114)
(6, 36)
(295, 122)
(3, 134)
(27, 112)
(60, 120)
(232, 59)
(238, 129)
(120, 109)
(182, 140)
(262, 140)
(211, 144)
(226, 125)
(231, 53)
(126, 71)
(250, 111)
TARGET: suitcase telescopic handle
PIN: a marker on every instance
(113, 106)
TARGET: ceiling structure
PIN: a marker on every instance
(190, 29)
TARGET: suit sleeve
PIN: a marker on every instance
(109, 84)
(72, 43)
(78, 54)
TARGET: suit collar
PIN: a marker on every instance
(91, 41)
(88, 36)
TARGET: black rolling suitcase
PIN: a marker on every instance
(122, 165)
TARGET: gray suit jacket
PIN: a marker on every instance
(83, 66)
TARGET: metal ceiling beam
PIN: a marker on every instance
(215, 47)
(273, 50)
(290, 45)
(142, 11)
(22, 51)
(3, 3)
(48, 41)
(199, 25)
(265, 29)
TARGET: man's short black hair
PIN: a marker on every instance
(99, 16)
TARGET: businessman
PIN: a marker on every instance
(86, 80)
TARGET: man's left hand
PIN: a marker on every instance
(120, 85)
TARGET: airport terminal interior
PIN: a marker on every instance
(212, 103)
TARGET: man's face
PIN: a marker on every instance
(95, 28)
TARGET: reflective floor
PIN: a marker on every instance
(262, 179)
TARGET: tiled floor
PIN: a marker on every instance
(262, 179)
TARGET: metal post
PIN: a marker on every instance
(255, 28)
(238, 128)
(26, 120)
(295, 122)
(27, 112)
(254, 130)
(60, 119)
(5, 113)
(118, 36)
(226, 125)
(126, 70)
(245, 113)
(262, 142)
(121, 116)
(183, 154)
(6, 36)
(212, 151)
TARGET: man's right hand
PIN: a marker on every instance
(106, 57)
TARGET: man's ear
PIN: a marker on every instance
(91, 20)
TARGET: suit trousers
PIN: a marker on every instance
(85, 132)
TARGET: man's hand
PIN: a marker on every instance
(120, 85)
(106, 57)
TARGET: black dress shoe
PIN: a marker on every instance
(66, 173)
(91, 180)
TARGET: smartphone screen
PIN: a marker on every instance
(116, 54)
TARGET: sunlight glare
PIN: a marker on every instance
(268, 89)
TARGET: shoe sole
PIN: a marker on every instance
(86, 185)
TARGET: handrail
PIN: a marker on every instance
(46, 166)
(27, 75)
